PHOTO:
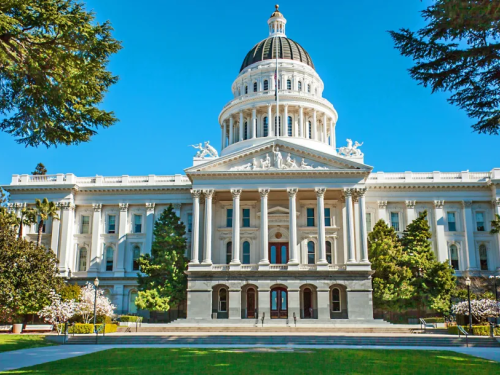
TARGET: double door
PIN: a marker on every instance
(278, 252)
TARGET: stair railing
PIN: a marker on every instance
(462, 331)
(295, 319)
(263, 317)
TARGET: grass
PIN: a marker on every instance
(10, 342)
(266, 361)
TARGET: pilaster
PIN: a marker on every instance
(293, 262)
(470, 247)
(264, 230)
(235, 261)
(442, 251)
(95, 259)
(410, 211)
(150, 222)
(122, 240)
(68, 218)
(195, 242)
(207, 259)
(320, 196)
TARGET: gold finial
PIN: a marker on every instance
(277, 7)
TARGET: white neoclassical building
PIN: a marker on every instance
(277, 223)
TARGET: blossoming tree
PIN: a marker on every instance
(481, 309)
(58, 311)
(85, 308)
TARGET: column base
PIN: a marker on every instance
(358, 267)
(322, 266)
(234, 266)
(263, 266)
(207, 262)
(293, 266)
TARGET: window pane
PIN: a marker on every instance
(246, 217)
(283, 300)
(246, 252)
(85, 224)
(109, 259)
(480, 221)
(135, 258)
(328, 219)
(483, 257)
(111, 223)
(368, 221)
(190, 223)
(137, 223)
(82, 262)
(274, 300)
(289, 123)
(454, 257)
(273, 254)
(229, 252)
(284, 254)
(310, 217)
(452, 227)
(229, 218)
(328, 246)
(395, 221)
(266, 85)
(310, 253)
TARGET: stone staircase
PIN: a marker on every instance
(221, 340)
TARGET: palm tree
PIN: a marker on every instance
(44, 209)
(28, 217)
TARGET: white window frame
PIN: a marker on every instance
(484, 220)
(448, 221)
(219, 301)
(400, 224)
(141, 223)
(107, 223)
(81, 224)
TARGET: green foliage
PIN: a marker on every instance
(476, 330)
(164, 282)
(70, 292)
(83, 328)
(390, 280)
(459, 51)
(130, 318)
(44, 210)
(53, 58)
(495, 225)
(437, 319)
(40, 170)
(3, 198)
(28, 217)
(27, 275)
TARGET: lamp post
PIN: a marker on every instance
(496, 291)
(96, 285)
(467, 282)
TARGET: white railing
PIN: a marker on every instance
(307, 267)
(70, 178)
(419, 177)
(278, 267)
(336, 267)
(43, 178)
(249, 267)
(220, 267)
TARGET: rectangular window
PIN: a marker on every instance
(246, 218)
(452, 225)
(395, 221)
(310, 217)
(85, 224)
(480, 221)
(368, 221)
(229, 218)
(137, 223)
(328, 218)
(111, 224)
(190, 223)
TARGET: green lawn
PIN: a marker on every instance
(266, 361)
(14, 342)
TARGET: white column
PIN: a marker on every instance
(264, 227)
(332, 136)
(410, 212)
(362, 226)
(314, 124)
(470, 247)
(284, 126)
(382, 211)
(442, 250)
(224, 135)
(54, 239)
(66, 246)
(254, 123)
(122, 239)
(150, 223)
(195, 231)
(270, 122)
(96, 236)
(351, 253)
(320, 195)
(231, 131)
(496, 211)
(241, 126)
(207, 259)
(357, 234)
(325, 137)
(236, 226)
(294, 257)
(301, 122)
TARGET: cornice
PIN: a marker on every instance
(437, 185)
(28, 188)
(105, 189)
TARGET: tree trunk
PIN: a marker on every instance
(40, 229)
(20, 235)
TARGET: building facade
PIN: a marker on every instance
(277, 223)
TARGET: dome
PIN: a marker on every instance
(266, 50)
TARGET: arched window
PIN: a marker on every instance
(483, 257)
(311, 256)
(277, 126)
(288, 84)
(454, 257)
(82, 260)
(222, 300)
(255, 87)
(245, 131)
(300, 86)
(266, 127)
(266, 85)
(246, 252)
(229, 252)
(109, 258)
(309, 88)
(246, 90)
(328, 247)
(290, 126)
(336, 300)
(132, 308)
(135, 258)
(309, 130)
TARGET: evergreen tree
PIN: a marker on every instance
(164, 283)
(53, 58)
(495, 225)
(459, 51)
(391, 281)
(433, 282)
(40, 170)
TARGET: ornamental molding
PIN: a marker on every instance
(292, 192)
(123, 207)
(176, 206)
(410, 204)
(208, 193)
(264, 192)
(150, 208)
(196, 193)
(467, 204)
(320, 192)
(67, 206)
(382, 204)
(438, 204)
(236, 193)
(496, 202)
(97, 207)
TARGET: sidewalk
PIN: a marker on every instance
(30, 357)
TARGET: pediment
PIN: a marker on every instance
(278, 211)
(279, 156)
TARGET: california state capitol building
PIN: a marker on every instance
(277, 219)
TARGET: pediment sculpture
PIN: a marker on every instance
(350, 149)
(205, 151)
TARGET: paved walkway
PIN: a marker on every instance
(30, 357)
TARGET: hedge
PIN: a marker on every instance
(438, 319)
(82, 328)
(476, 330)
(130, 318)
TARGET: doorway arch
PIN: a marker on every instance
(279, 303)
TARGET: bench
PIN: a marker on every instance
(6, 328)
(38, 327)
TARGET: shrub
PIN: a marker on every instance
(476, 330)
(83, 328)
(436, 319)
(130, 318)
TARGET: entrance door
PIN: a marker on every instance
(251, 303)
(278, 252)
(308, 311)
(279, 303)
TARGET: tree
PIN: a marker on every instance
(70, 292)
(53, 59)
(40, 170)
(481, 309)
(85, 306)
(28, 274)
(459, 51)
(58, 312)
(391, 281)
(433, 282)
(28, 217)
(495, 225)
(163, 282)
(44, 210)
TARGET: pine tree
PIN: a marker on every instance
(433, 282)
(40, 170)
(391, 287)
(164, 283)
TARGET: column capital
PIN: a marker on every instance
(496, 202)
(196, 193)
(97, 207)
(360, 191)
(209, 193)
(347, 192)
(438, 204)
(67, 206)
(236, 193)
(150, 207)
(292, 192)
(410, 204)
(467, 204)
(264, 192)
(382, 204)
(177, 206)
(123, 207)
(320, 192)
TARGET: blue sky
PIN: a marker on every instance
(179, 60)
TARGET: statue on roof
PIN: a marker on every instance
(205, 151)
